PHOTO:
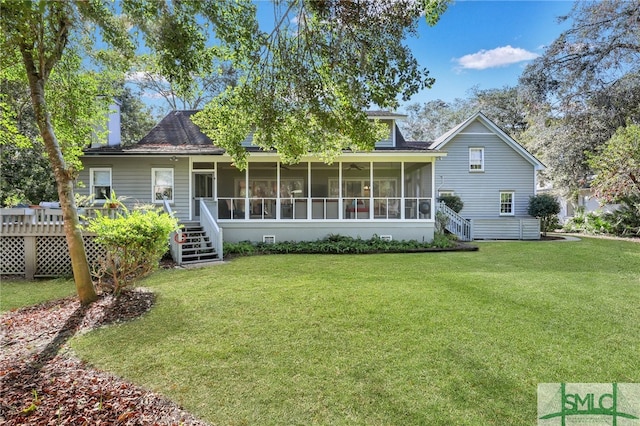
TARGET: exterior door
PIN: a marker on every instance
(203, 184)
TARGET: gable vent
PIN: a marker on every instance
(269, 239)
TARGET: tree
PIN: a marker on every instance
(617, 166)
(204, 86)
(26, 175)
(317, 71)
(585, 86)
(546, 208)
(434, 118)
(136, 118)
(48, 39)
(303, 86)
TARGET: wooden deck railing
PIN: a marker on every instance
(456, 224)
(42, 221)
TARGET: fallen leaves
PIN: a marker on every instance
(44, 384)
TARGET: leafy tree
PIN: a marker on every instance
(49, 39)
(546, 208)
(317, 72)
(585, 86)
(203, 87)
(26, 174)
(434, 118)
(617, 166)
(303, 86)
(136, 118)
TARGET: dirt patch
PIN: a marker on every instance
(43, 383)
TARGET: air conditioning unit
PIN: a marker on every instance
(269, 239)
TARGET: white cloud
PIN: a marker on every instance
(498, 57)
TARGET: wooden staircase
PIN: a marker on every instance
(196, 244)
(456, 224)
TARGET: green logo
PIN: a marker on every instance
(616, 404)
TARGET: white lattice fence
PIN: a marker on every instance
(42, 256)
(13, 256)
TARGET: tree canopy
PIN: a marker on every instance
(303, 83)
(584, 87)
(315, 74)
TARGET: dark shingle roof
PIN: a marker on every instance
(174, 134)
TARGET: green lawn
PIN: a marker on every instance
(16, 293)
(402, 339)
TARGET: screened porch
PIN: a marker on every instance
(316, 191)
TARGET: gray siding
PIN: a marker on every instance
(504, 170)
(506, 229)
(131, 177)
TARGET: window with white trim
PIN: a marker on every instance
(162, 184)
(507, 202)
(100, 183)
(476, 159)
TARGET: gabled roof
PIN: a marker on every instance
(440, 142)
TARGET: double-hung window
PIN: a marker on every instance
(162, 184)
(507, 200)
(476, 159)
(100, 183)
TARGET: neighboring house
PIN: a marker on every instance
(390, 192)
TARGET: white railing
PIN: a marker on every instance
(325, 208)
(43, 221)
(211, 228)
(456, 224)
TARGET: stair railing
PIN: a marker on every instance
(211, 228)
(456, 224)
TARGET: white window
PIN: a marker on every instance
(100, 183)
(162, 184)
(476, 159)
(507, 203)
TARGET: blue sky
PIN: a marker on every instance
(485, 44)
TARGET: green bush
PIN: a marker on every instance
(337, 244)
(625, 221)
(546, 208)
(134, 243)
(590, 223)
(452, 201)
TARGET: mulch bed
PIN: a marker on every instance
(43, 383)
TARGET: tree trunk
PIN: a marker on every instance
(64, 180)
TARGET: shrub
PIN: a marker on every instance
(590, 223)
(337, 244)
(134, 243)
(546, 208)
(625, 221)
(452, 201)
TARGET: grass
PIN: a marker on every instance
(438, 338)
(16, 293)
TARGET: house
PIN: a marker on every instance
(493, 175)
(390, 192)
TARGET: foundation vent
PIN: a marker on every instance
(269, 239)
